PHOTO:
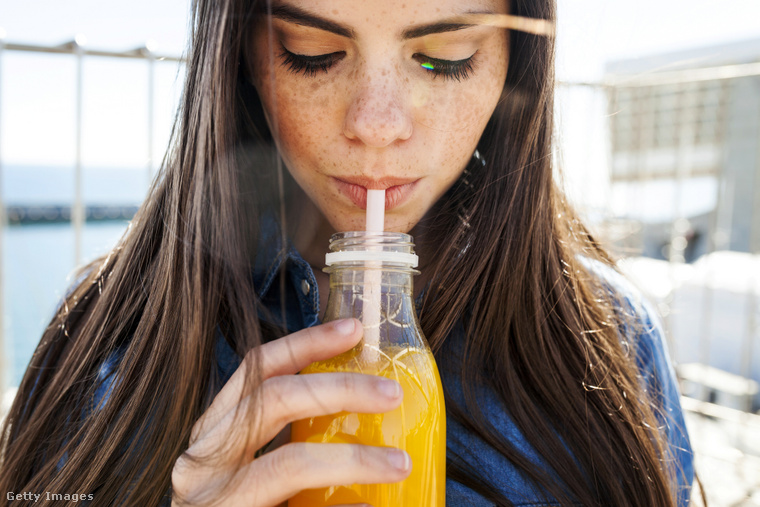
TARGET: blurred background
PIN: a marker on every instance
(658, 111)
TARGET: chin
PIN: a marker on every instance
(404, 227)
(344, 224)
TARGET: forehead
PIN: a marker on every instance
(393, 17)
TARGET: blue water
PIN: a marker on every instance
(38, 260)
(38, 264)
(35, 185)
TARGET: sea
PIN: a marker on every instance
(38, 259)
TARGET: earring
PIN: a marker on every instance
(466, 179)
(477, 156)
(466, 174)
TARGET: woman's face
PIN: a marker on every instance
(390, 94)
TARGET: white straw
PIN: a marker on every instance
(375, 219)
(375, 223)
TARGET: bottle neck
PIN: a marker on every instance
(371, 280)
(349, 286)
(356, 278)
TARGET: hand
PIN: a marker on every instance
(285, 397)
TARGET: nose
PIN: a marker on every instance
(378, 113)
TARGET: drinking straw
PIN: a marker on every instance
(375, 219)
(374, 223)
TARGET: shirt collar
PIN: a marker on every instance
(270, 254)
(301, 292)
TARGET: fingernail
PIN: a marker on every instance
(399, 459)
(388, 387)
(345, 326)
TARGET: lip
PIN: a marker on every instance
(397, 190)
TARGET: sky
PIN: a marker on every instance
(37, 91)
(592, 32)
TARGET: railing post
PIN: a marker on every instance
(78, 50)
(753, 294)
(4, 364)
(151, 57)
(77, 210)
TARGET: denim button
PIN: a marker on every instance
(305, 287)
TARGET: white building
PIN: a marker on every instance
(685, 150)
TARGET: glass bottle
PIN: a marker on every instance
(371, 280)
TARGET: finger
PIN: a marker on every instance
(283, 356)
(285, 504)
(296, 351)
(292, 468)
(279, 475)
(288, 398)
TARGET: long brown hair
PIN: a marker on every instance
(530, 309)
(545, 328)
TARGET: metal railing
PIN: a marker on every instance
(76, 213)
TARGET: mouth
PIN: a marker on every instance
(397, 190)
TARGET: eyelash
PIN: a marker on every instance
(449, 69)
(310, 66)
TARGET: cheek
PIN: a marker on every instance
(456, 113)
(300, 132)
(306, 117)
(453, 118)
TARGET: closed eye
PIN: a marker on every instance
(449, 69)
(310, 66)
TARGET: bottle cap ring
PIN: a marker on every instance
(366, 255)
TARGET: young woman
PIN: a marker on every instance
(171, 364)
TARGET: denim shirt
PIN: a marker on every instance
(302, 310)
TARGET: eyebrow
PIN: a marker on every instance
(421, 31)
(296, 15)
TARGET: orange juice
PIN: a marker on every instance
(417, 426)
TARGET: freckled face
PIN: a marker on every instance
(375, 95)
